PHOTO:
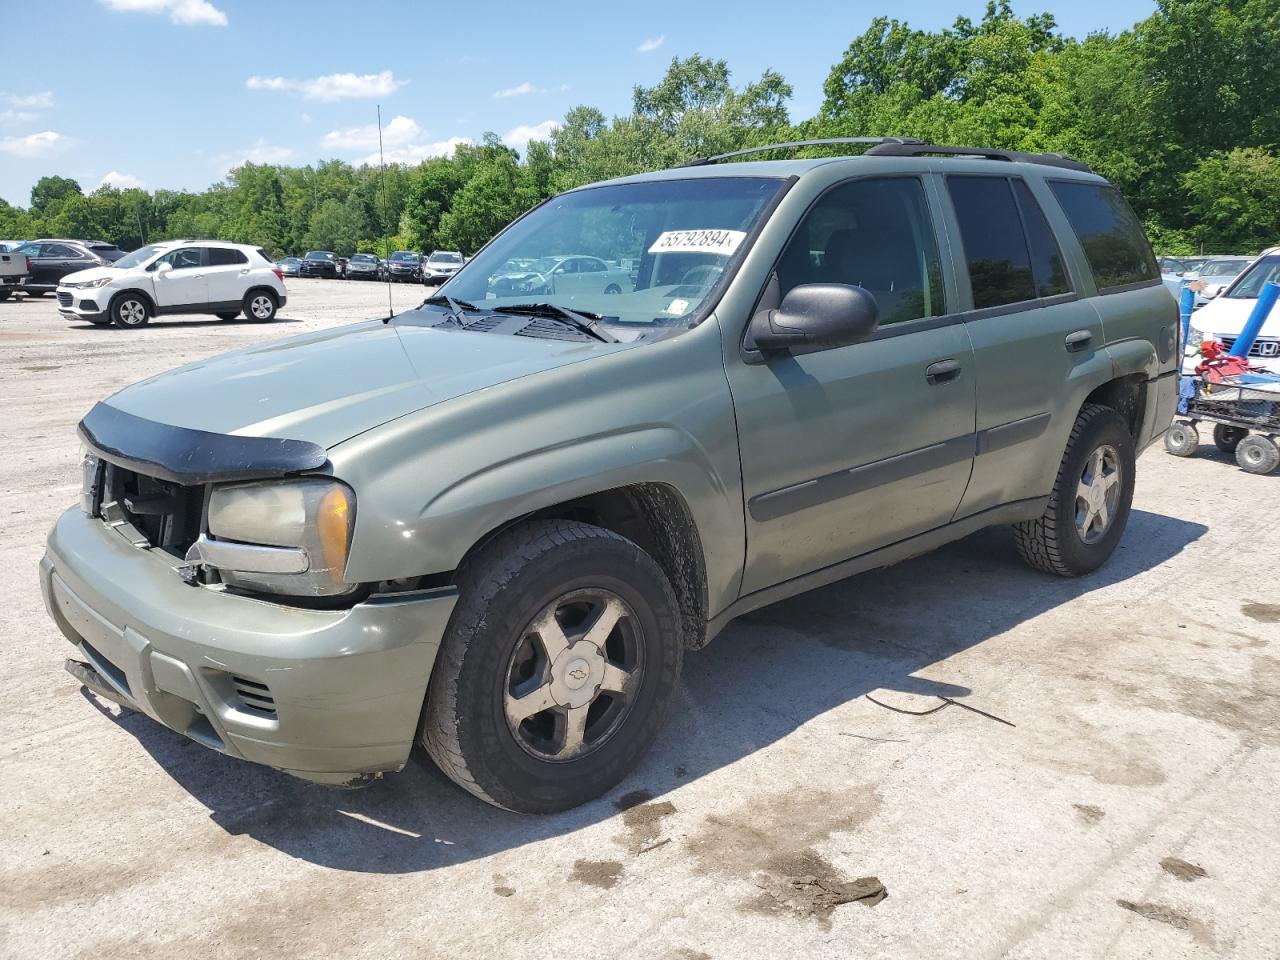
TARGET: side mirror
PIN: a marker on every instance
(164, 268)
(815, 316)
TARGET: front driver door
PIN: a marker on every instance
(186, 286)
(851, 449)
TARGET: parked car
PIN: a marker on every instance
(289, 266)
(51, 260)
(107, 251)
(8, 246)
(319, 263)
(176, 277)
(365, 266)
(497, 525)
(404, 266)
(1217, 274)
(15, 268)
(564, 275)
(1223, 318)
(1172, 265)
(441, 265)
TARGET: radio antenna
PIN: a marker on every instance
(386, 236)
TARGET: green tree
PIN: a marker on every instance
(1233, 199)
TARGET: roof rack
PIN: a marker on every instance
(917, 149)
(795, 144)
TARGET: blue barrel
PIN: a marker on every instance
(1253, 326)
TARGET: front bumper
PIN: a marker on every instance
(332, 696)
(83, 304)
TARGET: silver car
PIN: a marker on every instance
(1218, 273)
(564, 275)
(441, 265)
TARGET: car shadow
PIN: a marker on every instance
(811, 654)
(185, 324)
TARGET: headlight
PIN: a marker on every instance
(89, 284)
(1194, 338)
(310, 519)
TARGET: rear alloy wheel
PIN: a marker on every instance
(130, 310)
(1227, 438)
(1089, 505)
(1257, 454)
(260, 306)
(558, 667)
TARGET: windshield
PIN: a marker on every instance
(1223, 268)
(138, 257)
(364, 258)
(1266, 270)
(446, 258)
(319, 255)
(633, 253)
(403, 255)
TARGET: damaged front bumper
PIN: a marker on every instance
(332, 696)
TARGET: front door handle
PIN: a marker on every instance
(944, 371)
(1077, 341)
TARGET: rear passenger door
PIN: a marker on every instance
(228, 275)
(1037, 346)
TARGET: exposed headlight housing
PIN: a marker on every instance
(90, 478)
(309, 523)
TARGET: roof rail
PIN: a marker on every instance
(795, 144)
(918, 149)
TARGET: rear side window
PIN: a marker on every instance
(1047, 267)
(1110, 234)
(225, 257)
(995, 246)
(876, 234)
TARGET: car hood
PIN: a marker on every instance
(1227, 316)
(327, 387)
(93, 273)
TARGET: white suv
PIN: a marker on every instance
(177, 276)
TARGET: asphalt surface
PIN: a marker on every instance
(1100, 781)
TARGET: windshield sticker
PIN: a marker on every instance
(723, 242)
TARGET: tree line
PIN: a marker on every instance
(1182, 112)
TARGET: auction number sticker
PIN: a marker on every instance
(724, 242)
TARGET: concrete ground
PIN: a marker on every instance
(1104, 784)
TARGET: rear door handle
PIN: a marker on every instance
(944, 371)
(1077, 341)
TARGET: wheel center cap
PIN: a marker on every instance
(1097, 494)
(576, 673)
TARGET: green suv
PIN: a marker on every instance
(496, 523)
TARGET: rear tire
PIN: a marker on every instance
(4, 295)
(1257, 454)
(1090, 502)
(129, 310)
(480, 725)
(1182, 438)
(227, 316)
(1227, 438)
(260, 306)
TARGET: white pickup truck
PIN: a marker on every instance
(14, 270)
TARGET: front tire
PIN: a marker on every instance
(1090, 502)
(558, 668)
(260, 306)
(130, 311)
(1257, 454)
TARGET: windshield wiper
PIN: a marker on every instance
(457, 308)
(588, 323)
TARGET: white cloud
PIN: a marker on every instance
(564, 88)
(398, 132)
(417, 152)
(34, 144)
(516, 91)
(121, 181)
(652, 44)
(16, 116)
(333, 86)
(520, 136)
(260, 152)
(183, 12)
(31, 101)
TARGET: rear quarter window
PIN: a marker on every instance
(1109, 232)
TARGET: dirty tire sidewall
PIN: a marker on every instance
(464, 724)
(1257, 454)
(1227, 438)
(1050, 542)
(130, 311)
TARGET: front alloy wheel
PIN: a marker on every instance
(130, 311)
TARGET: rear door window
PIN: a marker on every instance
(995, 245)
(876, 234)
(1047, 266)
(1109, 233)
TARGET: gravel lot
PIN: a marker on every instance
(1104, 785)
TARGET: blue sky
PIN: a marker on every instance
(171, 93)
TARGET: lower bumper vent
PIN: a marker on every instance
(254, 696)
